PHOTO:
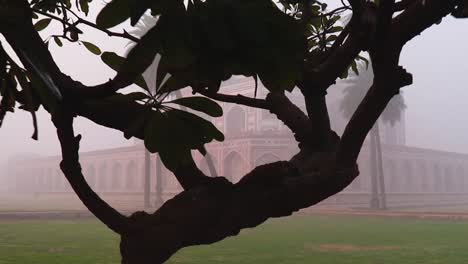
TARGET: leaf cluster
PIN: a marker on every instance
(205, 43)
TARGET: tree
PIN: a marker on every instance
(150, 75)
(286, 45)
(354, 92)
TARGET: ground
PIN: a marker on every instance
(318, 239)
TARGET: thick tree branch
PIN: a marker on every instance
(352, 40)
(220, 209)
(71, 168)
(292, 117)
(236, 99)
(317, 111)
(357, 6)
(385, 13)
(418, 17)
(386, 85)
(317, 78)
(188, 174)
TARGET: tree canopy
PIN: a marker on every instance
(285, 44)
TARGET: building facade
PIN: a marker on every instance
(413, 176)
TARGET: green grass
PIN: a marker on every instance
(301, 239)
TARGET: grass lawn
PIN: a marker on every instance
(300, 239)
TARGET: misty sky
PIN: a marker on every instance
(436, 115)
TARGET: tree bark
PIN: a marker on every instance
(209, 213)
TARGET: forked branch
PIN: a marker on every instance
(70, 166)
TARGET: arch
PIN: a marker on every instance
(130, 176)
(460, 178)
(102, 177)
(449, 182)
(116, 177)
(91, 176)
(408, 176)
(235, 121)
(265, 159)
(233, 166)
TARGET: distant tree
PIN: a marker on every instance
(355, 90)
(285, 44)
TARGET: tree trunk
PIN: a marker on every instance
(374, 199)
(147, 179)
(383, 198)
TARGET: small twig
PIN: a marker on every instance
(80, 20)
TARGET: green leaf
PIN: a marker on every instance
(142, 55)
(84, 6)
(136, 126)
(177, 130)
(202, 130)
(58, 41)
(345, 74)
(354, 67)
(170, 85)
(174, 158)
(201, 104)
(29, 100)
(92, 48)
(42, 24)
(363, 59)
(156, 132)
(112, 60)
(335, 29)
(115, 62)
(114, 13)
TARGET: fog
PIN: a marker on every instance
(437, 59)
(435, 115)
(424, 192)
